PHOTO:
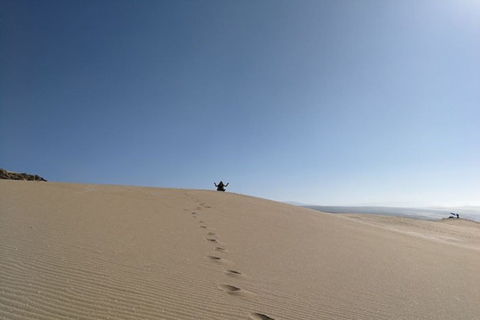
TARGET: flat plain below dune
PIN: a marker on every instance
(72, 251)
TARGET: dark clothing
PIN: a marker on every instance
(220, 186)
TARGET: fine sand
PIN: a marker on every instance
(71, 251)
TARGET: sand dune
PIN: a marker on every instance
(111, 252)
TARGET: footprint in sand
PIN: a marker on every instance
(214, 258)
(235, 291)
(229, 289)
(211, 240)
(260, 316)
(220, 260)
(233, 273)
(203, 227)
(211, 234)
(220, 249)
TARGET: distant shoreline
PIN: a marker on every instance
(412, 213)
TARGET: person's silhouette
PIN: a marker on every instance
(220, 186)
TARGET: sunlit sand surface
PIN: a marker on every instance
(71, 251)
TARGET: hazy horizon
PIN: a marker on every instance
(470, 213)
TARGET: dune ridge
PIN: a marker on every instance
(72, 251)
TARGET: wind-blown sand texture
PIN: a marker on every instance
(72, 251)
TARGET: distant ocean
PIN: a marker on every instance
(471, 213)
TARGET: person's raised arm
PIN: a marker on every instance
(227, 184)
(215, 184)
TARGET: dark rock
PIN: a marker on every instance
(9, 175)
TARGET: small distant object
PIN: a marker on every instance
(220, 186)
(454, 216)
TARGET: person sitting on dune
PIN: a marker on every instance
(220, 186)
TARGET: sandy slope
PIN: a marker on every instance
(111, 252)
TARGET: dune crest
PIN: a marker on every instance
(114, 252)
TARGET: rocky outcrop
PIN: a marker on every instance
(9, 175)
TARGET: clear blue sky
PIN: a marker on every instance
(322, 102)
